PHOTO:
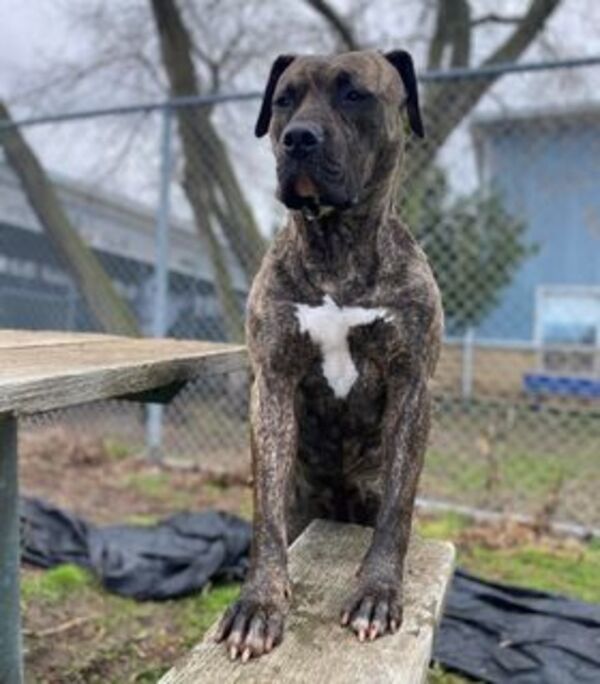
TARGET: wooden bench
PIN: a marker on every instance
(40, 371)
(316, 649)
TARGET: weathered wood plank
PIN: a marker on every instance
(316, 649)
(26, 363)
(40, 377)
(36, 338)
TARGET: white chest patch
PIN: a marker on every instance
(328, 326)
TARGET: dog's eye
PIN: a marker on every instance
(283, 101)
(353, 95)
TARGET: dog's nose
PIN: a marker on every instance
(301, 139)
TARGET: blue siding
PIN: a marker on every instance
(549, 176)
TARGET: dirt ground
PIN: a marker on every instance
(106, 483)
(75, 632)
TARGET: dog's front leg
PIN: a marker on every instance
(376, 606)
(254, 624)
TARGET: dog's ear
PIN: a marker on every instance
(403, 63)
(264, 116)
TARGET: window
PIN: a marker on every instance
(568, 329)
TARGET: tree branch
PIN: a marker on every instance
(494, 18)
(452, 31)
(530, 25)
(446, 103)
(336, 22)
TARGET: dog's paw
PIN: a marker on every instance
(252, 626)
(374, 609)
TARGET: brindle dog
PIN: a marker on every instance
(344, 327)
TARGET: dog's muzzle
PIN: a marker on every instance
(308, 176)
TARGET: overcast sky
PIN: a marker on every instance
(33, 29)
(28, 31)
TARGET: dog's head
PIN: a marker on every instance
(336, 124)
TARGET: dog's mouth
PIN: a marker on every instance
(299, 190)
(305, 188)
(302, 191)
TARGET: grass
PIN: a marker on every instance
(562, 568)
(114, 639)
(54, 585)
(509, 457)
(152, 485)
(446, 526)
(437, 675)
(570, 572)
(142, 519)
(118, 449)
(157, 487)
(199, 612)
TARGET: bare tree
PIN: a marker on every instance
(342, 28)
(447, 102)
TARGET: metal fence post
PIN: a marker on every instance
(161, 274)
(11, 667)
(71, 306)
(467, 364)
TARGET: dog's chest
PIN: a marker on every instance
(329, 326)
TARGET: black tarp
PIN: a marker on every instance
(500, 633)
(175, 557)
(491, 632)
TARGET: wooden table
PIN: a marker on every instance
(40, 371)
(316, 649)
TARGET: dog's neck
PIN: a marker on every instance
(323, 232)
(339, 247)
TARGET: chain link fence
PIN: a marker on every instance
(169, 199)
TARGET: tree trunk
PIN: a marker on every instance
(110, 311)
(210, 184)
(200, 193)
